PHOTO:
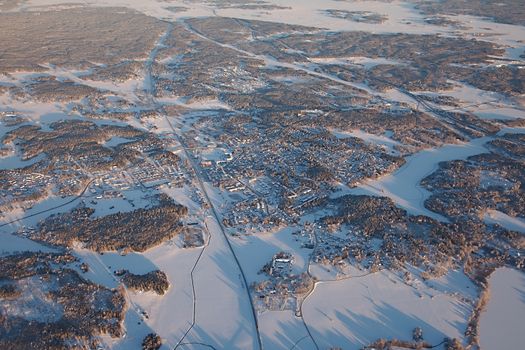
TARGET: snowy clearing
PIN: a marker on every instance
(501, 325)
(355, 312)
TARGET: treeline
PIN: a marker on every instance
(155, 281)
(137, 230)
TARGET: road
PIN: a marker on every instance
(80, 195)
(215, 222)
(218, 226)
(213, 267)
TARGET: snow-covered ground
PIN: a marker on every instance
(101, 271)
(456, 283)
(403, 185)
(499, 112)
(223, 310)
(347, 313)
(202, 104)
(254, 251)
(41, 113)
(15, 161)
(484, 104)
(30, 217)
(366, 62)
(354, 312)
(115, 141)
(131, 199)
(501, 325)
(34, 303)
(170, 315)
(283, 330)
(182, 196)
(468, 94)
(509, 222)
(380, 140)
(11, 244)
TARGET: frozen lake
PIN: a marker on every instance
(403, 186)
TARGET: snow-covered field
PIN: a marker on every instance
(223, 309)
(354, 312)
(366, 62)
(15, 161)
(254, 251)
(380, 140)
(170, 314)
(283, 330)
(348, 313)
(50, 205)
(509, 222)
(11, 244)
(501, 325)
